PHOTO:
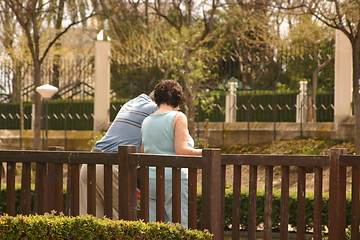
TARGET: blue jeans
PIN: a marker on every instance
(168, 201)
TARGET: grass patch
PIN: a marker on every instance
(291, 147)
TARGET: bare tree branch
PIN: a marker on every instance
(51, 43)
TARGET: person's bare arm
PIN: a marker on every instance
(181, 137)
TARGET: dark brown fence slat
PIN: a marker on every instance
(285, 182)
(318, 187)
(252, 203)
(211, 202)
(236, 203)
(342, 201)
(73, 189)
(192, 198)
(222, 198)
(355, 208)
(108, 191)
(176, 195)
(10, 188)
(40, 202)
(160, 194)
(25, 200)
(55, 186)
(127, 183)
(300, 219)
(91, 189)
(50, 187)
(336, 230)
(59, 188)
(144, 193)
(268, 202)
(1, 177)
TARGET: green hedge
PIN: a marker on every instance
(80, 111)
(64, 114)
(50, 226)
(244, 208)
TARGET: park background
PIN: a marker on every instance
(283, 58)
(280, 56)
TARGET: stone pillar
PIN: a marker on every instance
(230, 104)
(102, 83)
(301, 103)
(343, 78)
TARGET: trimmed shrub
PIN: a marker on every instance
(244, 200)
(50, 226)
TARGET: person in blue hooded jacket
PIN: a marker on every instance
(124, 130)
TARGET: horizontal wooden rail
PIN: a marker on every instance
(350, 160)
(176, 161)
(275, 160)
(58, 157)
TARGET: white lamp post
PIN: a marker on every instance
(47, 92)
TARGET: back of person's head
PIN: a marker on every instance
(169, 92)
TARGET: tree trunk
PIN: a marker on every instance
(356, 97)
(16, 82)
(56, 69)
(37, 99)
(191, 115)
(189, 90)
(315, 77)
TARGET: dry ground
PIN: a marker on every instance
(294, 147)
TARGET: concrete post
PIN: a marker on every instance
(343, 78)
(301, 107)
(230, 104)
(102, 83)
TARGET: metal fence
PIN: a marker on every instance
(74, 78)
(258, 106)
(251, 107)
(263, 89)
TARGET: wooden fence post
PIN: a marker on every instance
(127, 184)
(211, 195)
(55, 183)
(336, 214)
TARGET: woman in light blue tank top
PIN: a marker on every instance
(165, 132)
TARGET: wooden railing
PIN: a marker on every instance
(50, 167)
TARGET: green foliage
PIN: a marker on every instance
(309, 209)
(134, 80)
(50, 226)
(95, 138)
(299, 147)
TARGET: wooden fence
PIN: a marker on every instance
(51, 165)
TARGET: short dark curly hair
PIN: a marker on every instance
(169, 92)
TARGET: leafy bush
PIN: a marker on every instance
(50, 226)
(309, 209)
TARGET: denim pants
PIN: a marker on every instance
(168, 201)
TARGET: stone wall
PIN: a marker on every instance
(73, 140)
(225, 134)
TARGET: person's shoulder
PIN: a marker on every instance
(180, 115)
(144, 97)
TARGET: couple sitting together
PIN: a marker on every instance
(155, 125)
